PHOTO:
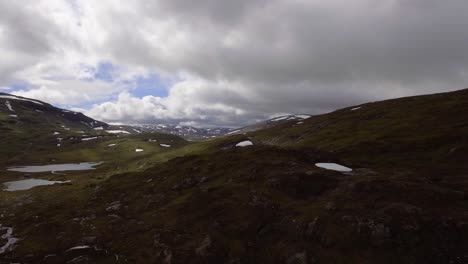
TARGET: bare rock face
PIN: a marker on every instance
(298, 258)
(312, 228)
(202, 250)
(163, 252)
(80, 251)
(114, 206)
(80, 260)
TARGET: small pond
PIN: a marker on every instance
(57, 167)
(28, 184)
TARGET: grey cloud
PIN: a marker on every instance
(256, 58)
(26, 37)
(290, 43)
(402, 42)
(219, 12)
(25, 29)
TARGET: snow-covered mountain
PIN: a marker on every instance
(193, 133)
(269, 123)
(17, 112)
(187, 132)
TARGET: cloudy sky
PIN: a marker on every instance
(223, 62)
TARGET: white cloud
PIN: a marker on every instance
(189, 100)
(232, 61)
(70, 92)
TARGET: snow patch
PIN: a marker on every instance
(139, 150)
(89, 138)
(20, 99)
(13, 115)
(232, 132)
(280, 118)
(11, 241)
(8, 105)
(117, 132)
(59, 143)
(302, 116)
(112, 145)
(356, 108)
(165, 145)
(244, 143)
(333, 166)
(78, 247)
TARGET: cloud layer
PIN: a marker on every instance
(231, 62)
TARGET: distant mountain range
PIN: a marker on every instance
(193, 133)
(18, 112)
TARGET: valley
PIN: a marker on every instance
(382, 182)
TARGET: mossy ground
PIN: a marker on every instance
(212, 202)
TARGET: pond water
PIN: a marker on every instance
(333, 166)
(57, 167)
(28, 184)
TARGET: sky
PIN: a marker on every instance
(228, 63)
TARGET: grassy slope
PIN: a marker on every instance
(400, 131)
(33, 127)
(211, 202)
(30, 138)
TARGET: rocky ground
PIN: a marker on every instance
(212, 202)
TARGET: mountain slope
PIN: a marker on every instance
(269, 203)
(37, 115)
(26, 124)
(35, 132)
(412, 131)
(273, 122)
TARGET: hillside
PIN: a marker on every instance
(33, 131)
(273, 122)
(28, 124)
(413, 132)
(214, 202)
(23, 113)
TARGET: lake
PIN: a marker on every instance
(28, 184)
(57, 167)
